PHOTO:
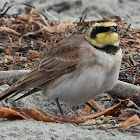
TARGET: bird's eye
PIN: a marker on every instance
(96, 28)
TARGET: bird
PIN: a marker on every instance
(75, 69)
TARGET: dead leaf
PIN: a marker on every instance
(40, 115)
(10, 114)
(134, 120)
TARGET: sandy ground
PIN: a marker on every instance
(33, 130)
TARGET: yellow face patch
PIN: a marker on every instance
(103, 38)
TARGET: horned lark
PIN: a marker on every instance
(76, 68)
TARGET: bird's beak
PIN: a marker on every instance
(112, 29)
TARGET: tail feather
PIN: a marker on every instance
(6, 94)
(30, 80)
(27, 94)
(14, 92)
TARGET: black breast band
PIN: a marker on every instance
(108, 49)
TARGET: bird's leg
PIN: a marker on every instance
(59, 107)
(92, 107)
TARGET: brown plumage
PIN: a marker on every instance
(61, 58)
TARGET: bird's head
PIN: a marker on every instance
(103, 35)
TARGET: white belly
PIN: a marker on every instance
(72, 89)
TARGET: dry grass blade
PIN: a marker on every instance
(2, 29)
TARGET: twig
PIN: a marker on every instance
(9, 77)
(124, 90)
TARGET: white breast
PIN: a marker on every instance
(76, 88)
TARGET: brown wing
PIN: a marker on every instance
(60, 59)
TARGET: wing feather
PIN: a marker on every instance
(61, 58)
